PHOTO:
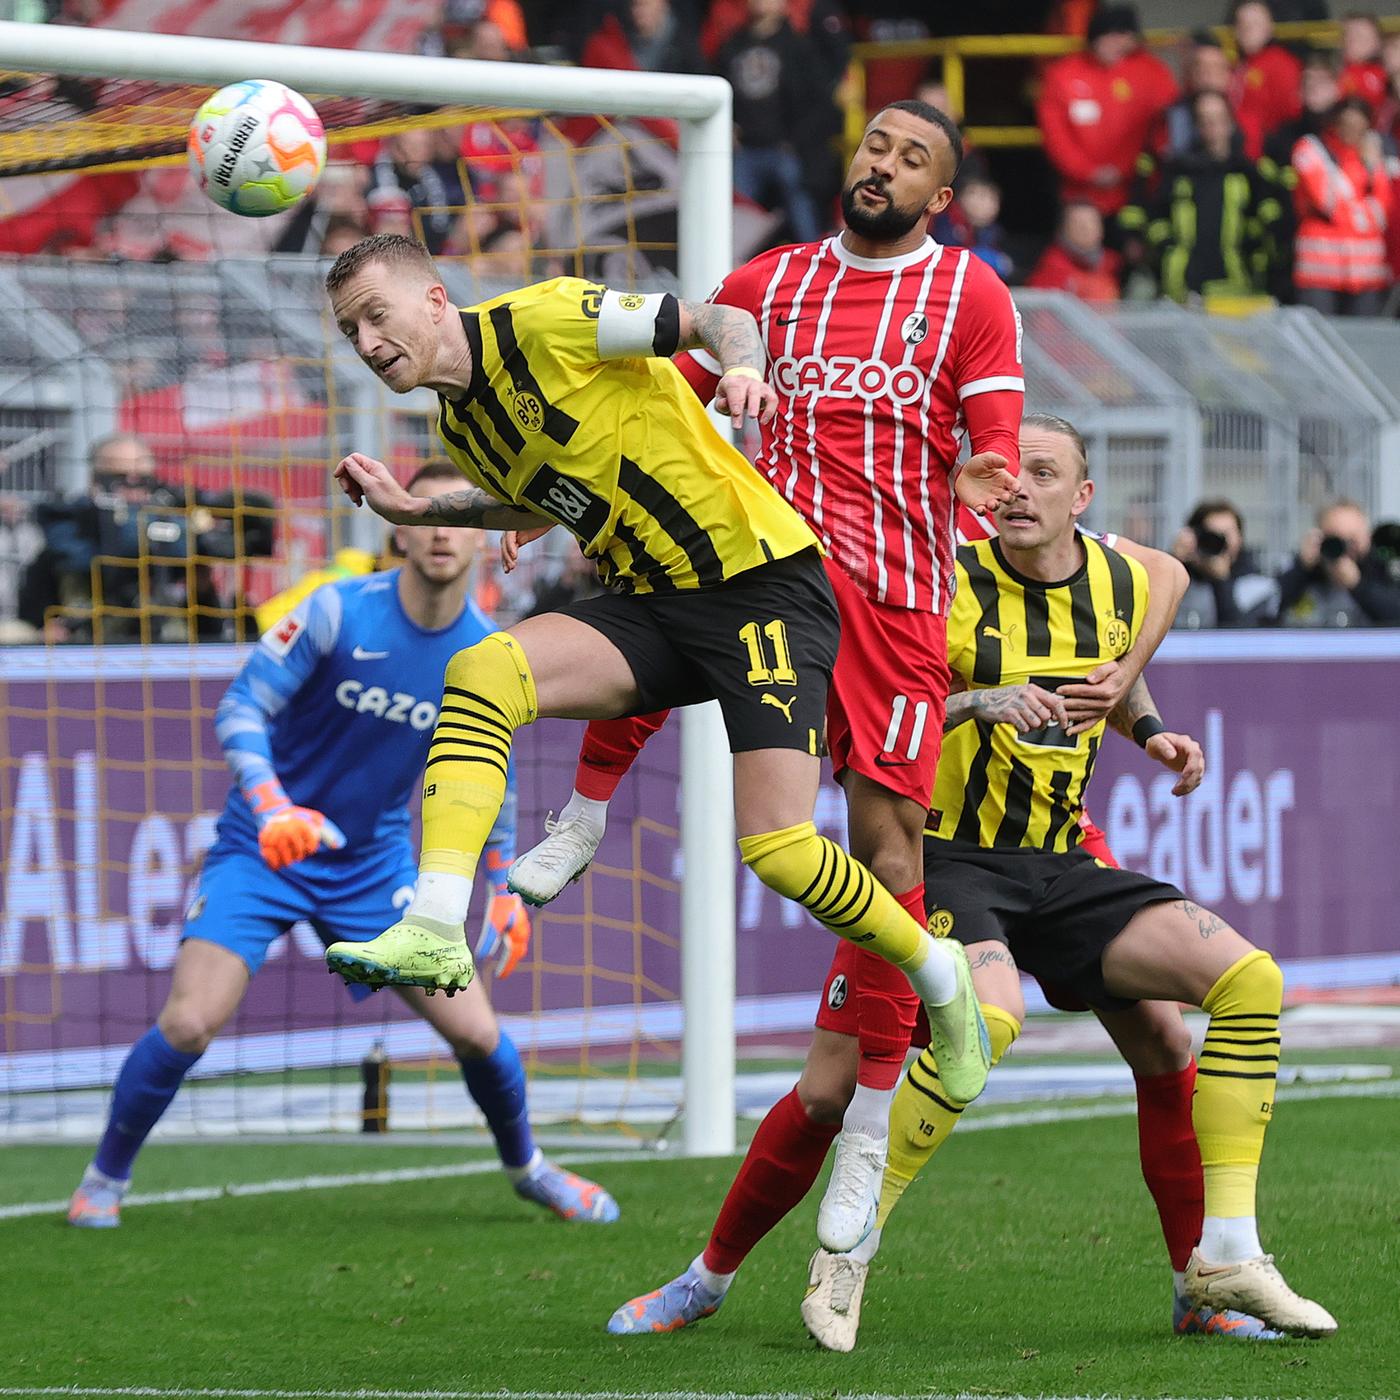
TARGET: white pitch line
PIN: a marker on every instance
(290, 1185)
(1374, 1089)
(151, 1392)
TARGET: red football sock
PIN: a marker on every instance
(886, 1009)
(610, 748)
(778, 1170)
(1171, 1158)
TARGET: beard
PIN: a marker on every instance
(883, 226)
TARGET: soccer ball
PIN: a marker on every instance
(256, 147)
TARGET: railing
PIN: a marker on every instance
(956, 52)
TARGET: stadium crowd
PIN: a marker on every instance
(1243, 168)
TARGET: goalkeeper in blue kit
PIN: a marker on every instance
(326, 729)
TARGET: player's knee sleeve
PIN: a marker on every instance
(488, 692)
(837, 891)
(1237, 1071)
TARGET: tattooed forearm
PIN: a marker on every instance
(477, 509)
(729, 333)
(960, 707)
(1207, 924)
(992, 955)
(1135, 705)
(465, 507)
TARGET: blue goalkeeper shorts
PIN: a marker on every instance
(242, 905)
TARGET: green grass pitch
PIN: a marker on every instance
(1027, 1263)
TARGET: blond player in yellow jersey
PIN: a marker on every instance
(1037, 607)
(559, 403)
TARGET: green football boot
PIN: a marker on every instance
(406, 955)
(958, 1034)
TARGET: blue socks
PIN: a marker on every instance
(150, 1077)
(497, 1083)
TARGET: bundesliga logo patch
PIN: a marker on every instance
(836, 993)
(278, 640)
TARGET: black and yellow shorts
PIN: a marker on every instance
(762, 643)
(1054, 912)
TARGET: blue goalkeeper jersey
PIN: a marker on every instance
(338, 702)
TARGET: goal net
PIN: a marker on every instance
(146, 312)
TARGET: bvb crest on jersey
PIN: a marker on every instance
(529, 411)
(1116, 634)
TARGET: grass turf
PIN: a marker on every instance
(1028, 1262)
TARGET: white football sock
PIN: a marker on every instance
(93, 1177)
(867, 1249)
(936, 981)
(440, 901)
(868, 1112)
(590, 811)
(1230, 1239)
(1178, 1284)
(716, 1283)
(529, 1169)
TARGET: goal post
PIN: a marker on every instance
(701, 105)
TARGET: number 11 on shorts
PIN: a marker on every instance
(916, 736)
(782, 671)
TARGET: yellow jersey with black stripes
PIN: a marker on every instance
(572, 413)
(995, 787)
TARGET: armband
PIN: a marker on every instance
(1145, 728)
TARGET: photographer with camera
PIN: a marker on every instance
(1339, 578)
(1226, 588)
(132, 543)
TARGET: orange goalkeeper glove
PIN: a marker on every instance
(505, 933)
(288, 833)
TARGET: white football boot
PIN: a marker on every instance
(848, 1209)
(544, 871)
(831, 1309)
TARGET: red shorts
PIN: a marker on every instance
(889, 692)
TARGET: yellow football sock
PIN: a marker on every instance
(488, 693)
(837, 891)
(922, 1117)
(1235, 1080)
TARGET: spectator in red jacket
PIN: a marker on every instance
(1343, 203)
(1077, 262)
(1098, 109)
(1264, 91)
(1363, 73)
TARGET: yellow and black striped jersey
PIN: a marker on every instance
(568, 415)
(998, 788)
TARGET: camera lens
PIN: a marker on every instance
(1332, 547)
(1211, 542)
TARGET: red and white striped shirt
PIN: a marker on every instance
(873, 359)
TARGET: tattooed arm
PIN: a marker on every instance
(731, 335)
(1135, 705)
(367, 481)
(1179, 753)
(471, 506)
(1027, 707)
